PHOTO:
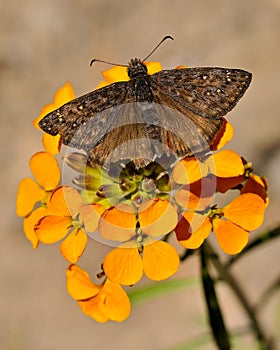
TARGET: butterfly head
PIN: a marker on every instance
(136, 68)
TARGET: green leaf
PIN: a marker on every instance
(161, 288)
(216, 320)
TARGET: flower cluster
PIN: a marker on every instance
(135, 210)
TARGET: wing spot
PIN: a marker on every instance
(204, 77)
(228, 80)
(61, 119)
(80, 107)
(49, 128)
(74, 125)
(208, 93)
(44, 123)
(219, 90)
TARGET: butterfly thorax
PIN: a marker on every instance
(140, 82)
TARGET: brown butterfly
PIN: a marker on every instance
(173, 111)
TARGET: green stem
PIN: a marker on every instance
(264, 342)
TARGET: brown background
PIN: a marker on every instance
(43, 44)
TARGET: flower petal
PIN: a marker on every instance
(74, 245)
(28, 194)
(224, 136)
(196, 196)
(256, 184)
(231, 238)
(91, 307)
(189, 170)
(157, 217)
(123, 266)
(202, 225)
(66, 200)
(153, 67)
(79, 284)
(114, 74)
(51, 228)
(73, 199)
(90, 215)
(118, 223)
(160, 260)
(247, 211)
(226, 183)
(115, 302)
(101, 84)
(183, 229)
(64, 95)
(45, 169)
(52, 144)
(225, 164)
(29, 225)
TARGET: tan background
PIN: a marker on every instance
(43, 44)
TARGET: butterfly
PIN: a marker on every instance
(177, 111)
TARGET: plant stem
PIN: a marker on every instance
(264, 342)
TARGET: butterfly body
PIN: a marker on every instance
(179, 109)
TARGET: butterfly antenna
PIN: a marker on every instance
(112, 64)
(165, 38)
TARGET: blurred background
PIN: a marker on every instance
(43, 44)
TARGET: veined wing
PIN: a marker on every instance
(205, 91)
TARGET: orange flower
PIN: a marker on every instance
(199, 178)
(258, 185)
(66, 204)
(224, 136)
(47, 174)
(104, 302)
(223, 164)
(230, 224)
(140, 254)
(197, 196)
(125, 265)
(63, 95)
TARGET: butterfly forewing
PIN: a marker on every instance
(69, 118)
(207, 91)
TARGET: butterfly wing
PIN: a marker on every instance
(206, 91)
(184, 118)
(203, 96)
(82, 121)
